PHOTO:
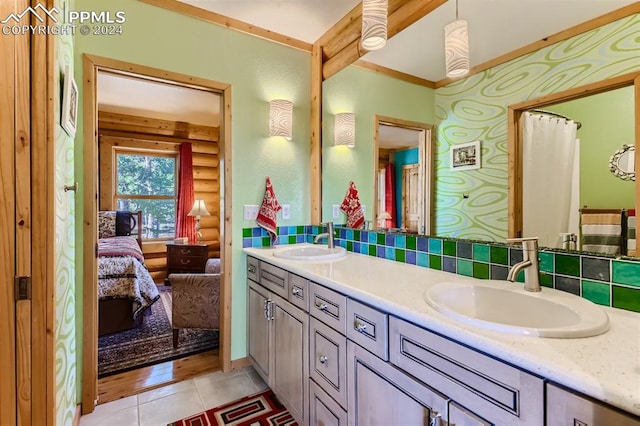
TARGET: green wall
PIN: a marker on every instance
(607, 123)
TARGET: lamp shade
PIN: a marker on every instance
(281, 118)
(456, 48)
(345, 129)
(199, 209)
(374, 24)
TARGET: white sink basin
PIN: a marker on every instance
(310, 252)
(507, 307)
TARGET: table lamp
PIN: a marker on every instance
(199, 209)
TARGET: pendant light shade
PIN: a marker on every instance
(281, 118)
(456, 48)
(374, 24)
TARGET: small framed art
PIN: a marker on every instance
(465, 156)
(69, 115)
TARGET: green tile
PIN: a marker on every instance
(546, 262)
(300, 230)
(435, 262)
(449, 248)
(481, 270)
(266, 241)
(411, 242)
(380, 239)
(292, 239)
(499, 255)
(546, 280)
(400, 255)
(349, 245)
(481, 252)
(356, 234)
(246, 232)
(596, 292)
(626, 298)
(567, 265)
(464, 267)
(372, 250)
(626, 273)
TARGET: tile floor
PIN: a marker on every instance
(177, 401)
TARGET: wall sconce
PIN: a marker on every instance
(281, 118)
(456, 47)
(199, 209)
(374, 24)
(345, 129)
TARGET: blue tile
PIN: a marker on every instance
(389, 240)
(356, 247)
(283, 230)
(423, 244)
(401, 241)
(246, 242)
(423, 259)
(380, 252)
(256, 232)
(435, 246)
(300, 238)
(410, 257)
(364, 236)
(449, 264)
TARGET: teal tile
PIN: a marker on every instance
(546, 262)
(423, 259)
(596, 292)
(380, 239)
(567, 265)
(481, 270)
(246, 232)
(411, 242)
(626, 298)
(499, 255)
(626, 273)
(435, 262)
(349, 235)
(464, 267)
(449, 248)
(435, 246)
(546, 280)
(481, 252)
(400, 255)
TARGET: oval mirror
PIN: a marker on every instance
(622, 163)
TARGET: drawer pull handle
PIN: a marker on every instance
(360, 327)
(251, 269)
(295, 291)
(322, 306)
(323, 359)
(185, 261)
(185, 251)
(435, 418)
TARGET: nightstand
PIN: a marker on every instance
(185, 258)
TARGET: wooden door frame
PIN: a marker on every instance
(515, 148)
(91, 65)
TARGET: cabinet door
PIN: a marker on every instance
(324, 411)
(259, 331)
(291, 354)
(380, 394)
(460, 416)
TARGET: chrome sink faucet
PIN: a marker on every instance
(529, 263)
(328, 235)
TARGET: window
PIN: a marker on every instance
(147, 182)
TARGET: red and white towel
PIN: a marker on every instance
(352, 207)
(268, 210)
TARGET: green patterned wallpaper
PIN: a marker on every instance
(65, 310)
(476, 109)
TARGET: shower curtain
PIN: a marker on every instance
(550, 178)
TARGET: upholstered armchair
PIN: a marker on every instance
(196, 299)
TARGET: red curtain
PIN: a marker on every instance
(185, 225)
(390, 195)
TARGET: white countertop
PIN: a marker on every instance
(605, 367)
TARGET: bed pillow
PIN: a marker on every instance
(124, 223)
(106, 224)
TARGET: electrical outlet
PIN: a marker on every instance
(336, 211)
(250, 212)
(364, 210)
(286, 211)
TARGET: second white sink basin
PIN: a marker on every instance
(310, 252)
(507, 307)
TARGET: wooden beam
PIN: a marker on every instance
(131, 123)
(315, 162)
(395, 74)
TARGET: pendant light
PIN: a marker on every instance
(374, 24)
(456, 47)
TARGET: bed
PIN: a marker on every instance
(125, 287)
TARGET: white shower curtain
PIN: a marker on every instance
(550, 178)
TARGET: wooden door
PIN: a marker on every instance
(410, 197)
(259, 331)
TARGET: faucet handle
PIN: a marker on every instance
(528, 243)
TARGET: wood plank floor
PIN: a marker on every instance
(143, 379)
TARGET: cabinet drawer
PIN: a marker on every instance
(187, 251)
(252, 268)
(496, 391)
(275, 279)
(299, 292)
(327, 360)
(368, 327)
(191, 262)
(328, 306)
(324, 410)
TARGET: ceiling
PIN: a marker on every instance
(496, 27)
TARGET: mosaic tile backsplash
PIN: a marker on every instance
(603, 280)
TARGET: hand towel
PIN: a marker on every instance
(352, 207)
(268, 210)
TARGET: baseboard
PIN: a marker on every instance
(76, 417)
(239, 363)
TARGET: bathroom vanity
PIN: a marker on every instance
(352, 341)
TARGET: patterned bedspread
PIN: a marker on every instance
(122, 273)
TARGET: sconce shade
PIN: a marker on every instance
(199, 209)
(374, 24)
(281, 118)
(345, 129)
(456, 48)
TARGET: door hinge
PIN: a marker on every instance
(96, 249)
(22, 288)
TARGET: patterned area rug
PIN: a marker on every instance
(152, 342)
(261, 409)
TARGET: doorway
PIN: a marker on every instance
(93, 67)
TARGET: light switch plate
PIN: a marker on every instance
(250, 212)
(286, 211)
(336, 211)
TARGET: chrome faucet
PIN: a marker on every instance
(529, 263)
(328, 235)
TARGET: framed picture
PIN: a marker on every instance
(465, 156)
(69, 115)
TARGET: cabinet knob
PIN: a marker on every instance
(434, 418)
(251, 269)
(360, 326)
(295, 291)
(323, 359)
(321, 306)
